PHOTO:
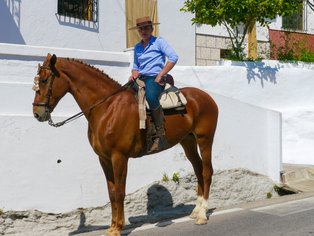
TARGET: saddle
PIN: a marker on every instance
(171, 100)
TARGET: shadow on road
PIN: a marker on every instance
(82, 228)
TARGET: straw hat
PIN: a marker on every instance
(143, 21)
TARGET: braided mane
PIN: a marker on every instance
(93, 68)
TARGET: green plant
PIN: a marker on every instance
(238, 16)
(307, 56)
(269, 195)
(294, 49)
(165, 178)
(176, 177)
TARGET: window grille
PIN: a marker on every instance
(311, 4)
(80, 9)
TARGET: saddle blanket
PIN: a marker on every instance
(171, 98)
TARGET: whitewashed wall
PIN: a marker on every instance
(36, 24)
(284, 87)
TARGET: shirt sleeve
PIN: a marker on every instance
(167, 50)
(135, 60)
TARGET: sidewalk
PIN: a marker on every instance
(298, 178)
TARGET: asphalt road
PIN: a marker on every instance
(291, 215)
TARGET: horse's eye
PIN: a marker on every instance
(44, 81)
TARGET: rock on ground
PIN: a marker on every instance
(155, 202)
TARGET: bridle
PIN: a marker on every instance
(51, 78)
(48, 96)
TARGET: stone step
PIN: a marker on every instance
(298, 177)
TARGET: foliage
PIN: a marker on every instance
(165, 178)
(237, 16)
(306, 56)
(293, 49)
(176, 177)
(269, 195)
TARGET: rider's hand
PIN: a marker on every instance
(131, 78)
(159, 80)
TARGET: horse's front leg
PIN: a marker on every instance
(119, 167)
(106, 165)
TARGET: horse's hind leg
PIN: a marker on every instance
(189, 145)
(205, 145)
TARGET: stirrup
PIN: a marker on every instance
(159, 144)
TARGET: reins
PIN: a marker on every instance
(81, 113)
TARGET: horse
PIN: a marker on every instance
(113, 126)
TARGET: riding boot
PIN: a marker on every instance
(160, 142)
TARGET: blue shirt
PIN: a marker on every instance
(151, 60)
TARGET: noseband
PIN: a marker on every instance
(51, 78)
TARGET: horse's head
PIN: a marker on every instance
(49, 86)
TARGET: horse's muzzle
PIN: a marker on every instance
(41, 114)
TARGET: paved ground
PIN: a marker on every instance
(287, 215)
(291, 218)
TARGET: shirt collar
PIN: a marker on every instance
(152, 39)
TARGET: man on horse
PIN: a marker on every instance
(150, 66)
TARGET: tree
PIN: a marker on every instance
(238, 16)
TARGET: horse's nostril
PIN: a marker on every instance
(36, 115)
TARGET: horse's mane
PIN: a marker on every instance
(101, 72)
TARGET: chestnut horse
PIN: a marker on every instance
(113, 126)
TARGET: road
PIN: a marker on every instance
(291, 215)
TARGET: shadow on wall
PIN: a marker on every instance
(258, 70)
(83, 228)
(10, 14)
(159, 208)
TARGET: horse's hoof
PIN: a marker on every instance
(201, 221)
(193, 215)
(112, 232)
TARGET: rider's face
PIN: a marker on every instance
(145, 32)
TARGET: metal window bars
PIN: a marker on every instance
(311, 4)
(80, 9)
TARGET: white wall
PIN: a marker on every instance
(23, 22)
(31, 178)
(284, 87)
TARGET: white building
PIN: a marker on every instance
(39, 24)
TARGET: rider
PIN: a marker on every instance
(150, 66)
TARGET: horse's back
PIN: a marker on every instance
(200, 99)
(202, 109)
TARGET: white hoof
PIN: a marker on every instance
(197, 207)
(201, 221)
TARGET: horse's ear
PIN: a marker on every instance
(53, 60)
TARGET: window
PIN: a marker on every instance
(136, 9)
(294, 22)
(81, 9)
(225, 53)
